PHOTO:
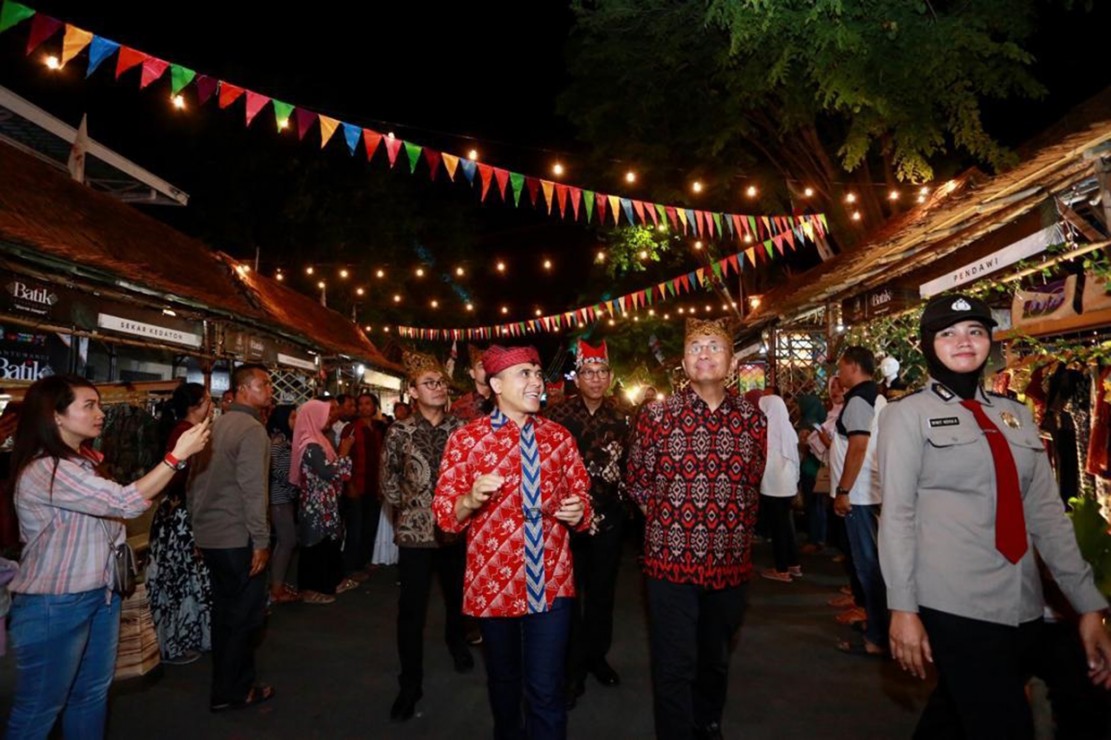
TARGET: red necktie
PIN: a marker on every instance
(1010, 522)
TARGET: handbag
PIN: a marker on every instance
(125, 569)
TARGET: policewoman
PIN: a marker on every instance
(968, 496)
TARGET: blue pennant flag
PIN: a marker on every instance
(627, 206)
(99, 50)
(352, 134)
(469, 169)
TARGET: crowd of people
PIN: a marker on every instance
(942, 504)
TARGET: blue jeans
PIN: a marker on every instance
(862, 524)
(529, 650)
(65, 656)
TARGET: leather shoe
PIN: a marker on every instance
(711, 731)
(405, 705)
(464, 661)
(576, 687)
(605, 674)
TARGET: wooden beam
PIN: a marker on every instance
(1080, 223)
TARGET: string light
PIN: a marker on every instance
(538, 312)
(661, 227)
(557, 169)
(343, 273)
(473, 155)
(380, 273)
(751, 191)
(643, 254)
(748, 238)
(611, 322)
(808, 193)
(397, 298)
(667, 316)
(283, 124)
(505, 309)
(470, 306)
(308, 271)
(680, 309)
(459, 272)
(386, 329)
(600, 257)
(856, 215)
(547, 264)
(754, 302)
(359, 291)
(279, 277)
(924, 190)
(651, 312)
(389, 135)
(850, 198)
(630, 177)
(367, 329)
(893, 195)
(696, 186)
(435, 303)
(708, 308)
(178, 101)
(921, 199)
(636, 319)
(501, 266)
(420, 272)
(698, 244)
(320, 285)
(52, 62)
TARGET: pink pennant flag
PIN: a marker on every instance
(303, 121)
(370, 142)
(638, 208)
(671, 215)
(393, 146)
(153, 68)
(255, 103)
(651, 208)
(576, 198)
(790, 237)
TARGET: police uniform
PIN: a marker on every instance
(937, 534)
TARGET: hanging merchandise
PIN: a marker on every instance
(559, 199)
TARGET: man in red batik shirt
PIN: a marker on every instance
(695, 466)
(514, 480)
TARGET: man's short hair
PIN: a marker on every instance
(862, 357)
(243, 373)
(342, 398)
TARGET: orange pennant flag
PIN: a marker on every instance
(451, 162)
(638, 206)
(328, 127)
(700, 273)
(548, 187)
(229, 93)
(74, 42)
(751, 254)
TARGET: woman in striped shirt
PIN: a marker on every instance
(65, 619)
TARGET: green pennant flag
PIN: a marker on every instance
(717, 222)
(517, 182)
(648, 295)
(180, 77)
(282, 111)
(412, 151)
(716, 267)
(663, 213)
(12, 14)
(768, 247)
(588, 197)
(752, 226)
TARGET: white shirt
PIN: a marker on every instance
(866, 490)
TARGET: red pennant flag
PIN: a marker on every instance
(127, 59)
(778, 242)
(42, 28)
(561, 198)
(685, 280)
(205, 87)
(533, 187)
(502, 178)
(433, 158)
(153, 68)
(393, 146)
(303, 120)
(600, 206)
(638, 207)
(486, 172)
(370, 141)
(739, 225)
(790, 237)
(576, 197)
(255, 103)
(673, 217)
(735, 262)
(652, 212)
(697, 223)
(229, 93)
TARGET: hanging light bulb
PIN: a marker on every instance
(751, 191)
(547, 264)
(435, 303)
(279, 277)
(850, 198)
(505, 309)
(808, 193)
(308, 271)
(380, 273)
(748, 238)
(359, 291)
(600, 257)
(470, 306)
(651, 312)
(630, 177)
(459, 272)
(343, 273)
(538, 312)
(283, 124)
(178, 101)
(397, 298)
(367, 329)
(557, 169)
(611, 322)
(52, 62)
(643, 254)
(698, 244)
(473, 155)
(501, 266)
(320, 285)
(667, 316)
(856, 215)
(696, 186)
(893, 195)
(420, 272)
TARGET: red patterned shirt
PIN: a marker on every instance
(470, 406)
(698, 474)
(494, 585)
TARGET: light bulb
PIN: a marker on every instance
(308, 271)
(850, 198)
(557, 169)
(380, 273)
(808, 193)
(459, 272)
(698, 245)
(343, 273)
(630, 177)
(178, 101)
(473, 155)
(52, 62)
(751, 191)
(696, 186)
(420, 272)
(397, 298)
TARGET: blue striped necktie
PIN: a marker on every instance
(534, 531)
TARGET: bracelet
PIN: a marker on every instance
(169, 464)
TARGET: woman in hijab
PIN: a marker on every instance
(968, 496)
(778, 489)
(319, 473)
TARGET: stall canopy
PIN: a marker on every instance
(64, 228)
(956, 215)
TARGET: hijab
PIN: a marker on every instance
(312, 416)
(782, 438)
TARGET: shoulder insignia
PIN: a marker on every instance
(942, 392)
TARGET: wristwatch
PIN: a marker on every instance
(173, 462)
(842, 491)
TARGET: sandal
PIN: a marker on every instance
(849, 616)
(284, 597)
(346, 585)
(860, 648)
(258, 694)
(315, 597)
(774, 575)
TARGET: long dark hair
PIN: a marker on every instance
(37, 435)
(185, 397)
(278, 423)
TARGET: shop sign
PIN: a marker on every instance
(298, 362)
(1054, 300)
(376, 379)
(28, 297)
(876, 303)
(248, 346)
(146, 330)
(29, 356)
(1020, 250)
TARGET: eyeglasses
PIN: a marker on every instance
(713, 348)
(593, 374)
(434, 385)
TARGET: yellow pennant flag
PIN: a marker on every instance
(700, 273)
(615, 204)
(327, 128)
(74, 42)
(450, 163)
(751, 254)
(549, 187)
(683, 218)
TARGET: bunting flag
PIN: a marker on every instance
(598, 206)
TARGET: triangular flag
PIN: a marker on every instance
(751, 254)
(516, 184)
(432, 157)
(767, 225)
(229, 93)
(412, 152)
(351, 134)
(638, 206)
(736, 263)
(699, 223)
(282, 112)
(74, 42)
(717, 223)
(469, 169)
(451, 162)
(627, 207)
(100, 50)
(822, 221)
(672, 216)
(180, 77)
(716, 267)
(532, 185)
(682, 213)
(700, 275)
(588, 198)
(302, 121)
(255, 103)
(790, 237)
(659, 213)
(548, 187)
(561, 198)
(328, 128)
(76, 163)
(752, 227)
(600, 201)
(614, 205)
(393, 146)
(371, 139)
(205, 85)
(501, 177)
(768, 248)
(153, 68)
(12, 14)
(576, 197)
(42, 28)
(127, 59)
(486, 173)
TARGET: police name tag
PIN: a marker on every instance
(948, 421)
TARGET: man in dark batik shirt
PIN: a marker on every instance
(601, 429)
(478, 402)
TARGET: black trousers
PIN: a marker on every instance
(982, 670)
(360, 522)
(781, 527)
(320, 568)
(415, 568)
(596, 560)
(691, 630)
(1081, 710)
(238, 613)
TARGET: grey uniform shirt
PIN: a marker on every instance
(937, 532)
